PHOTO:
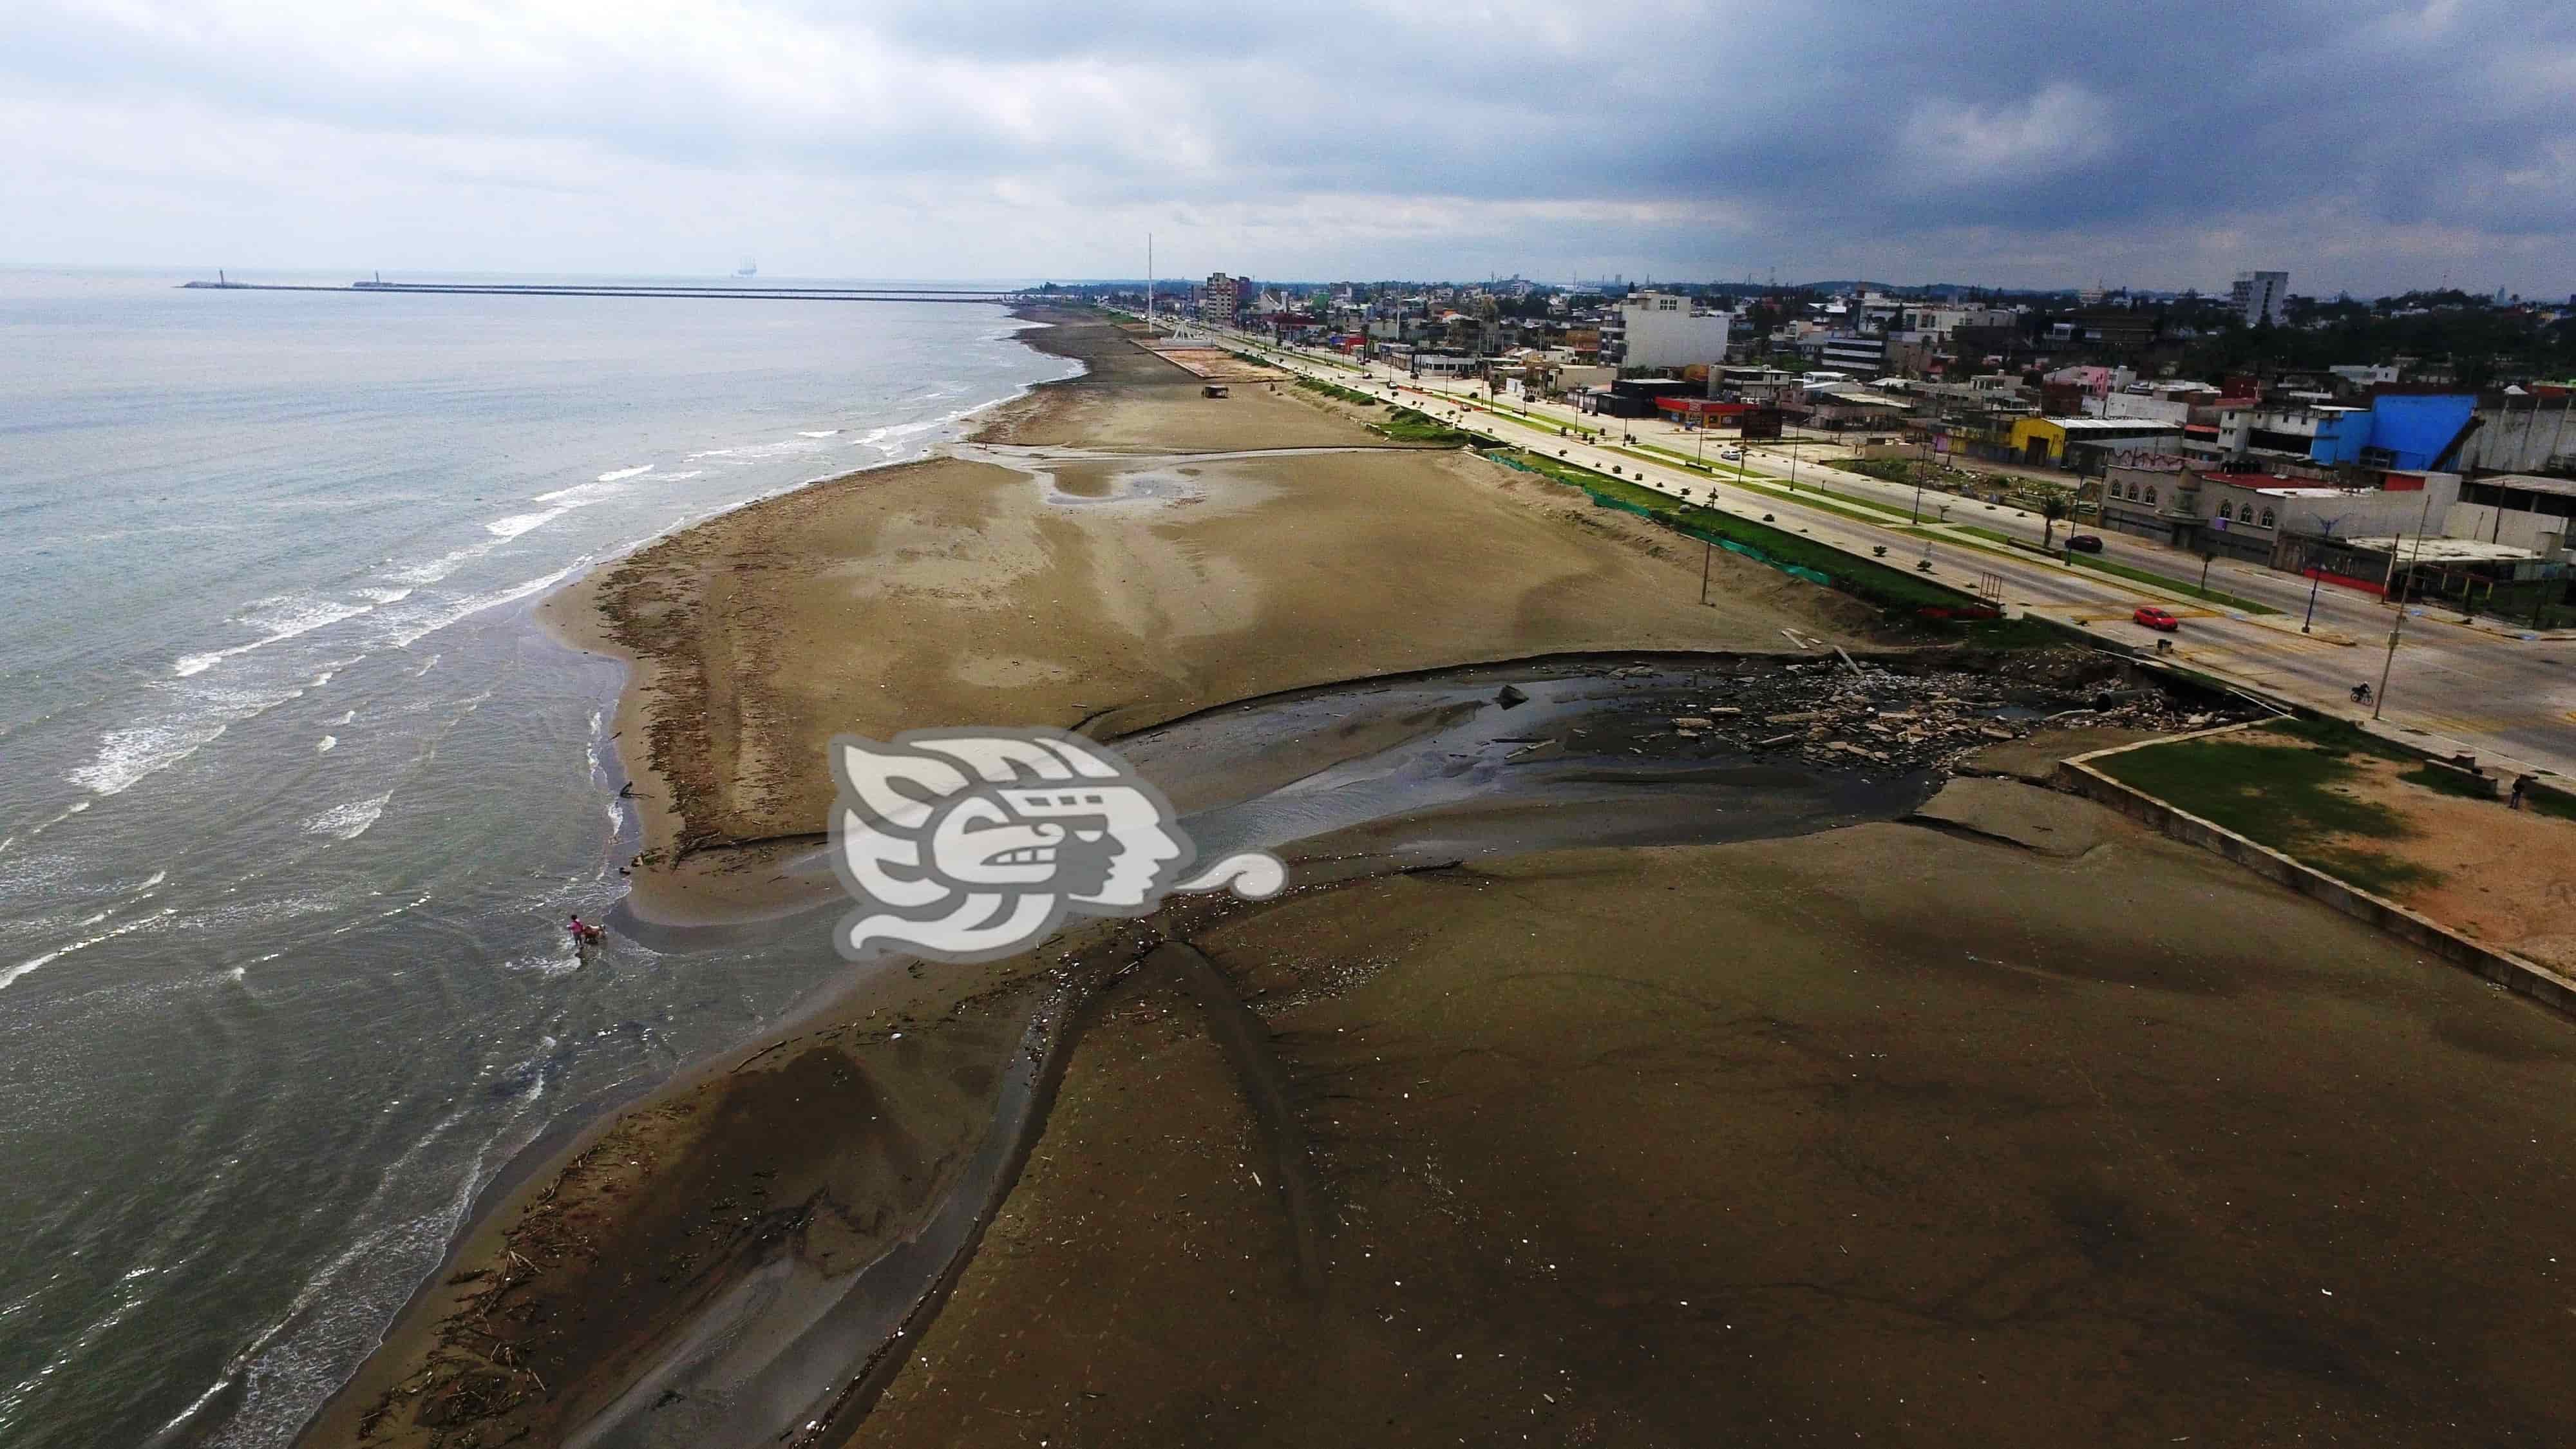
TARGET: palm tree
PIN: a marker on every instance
(2051, 509)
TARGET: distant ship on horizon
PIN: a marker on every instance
(749, 268)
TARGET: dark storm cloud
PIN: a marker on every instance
(2363, 144)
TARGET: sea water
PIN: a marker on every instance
(295, 795)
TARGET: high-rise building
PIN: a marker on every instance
(1667, 329)
(1220, 298)
(2261, 297)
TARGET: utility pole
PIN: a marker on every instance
(1149, 284)
(2379, 701)
(2316, 576)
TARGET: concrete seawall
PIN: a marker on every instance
(2078, 776)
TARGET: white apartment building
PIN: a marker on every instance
(2261, 297)
(1665, 329)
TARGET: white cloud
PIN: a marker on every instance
(2061, 126)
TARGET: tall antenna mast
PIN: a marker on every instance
(1149, 281)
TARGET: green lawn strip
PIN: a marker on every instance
(2285, 798)
(1334, 390)
(1535, 420)
(1404, 425)
(1860, 510)
(1888, 588)
(1993, 535)
(2161, 581)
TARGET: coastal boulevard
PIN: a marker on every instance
(2454, 686)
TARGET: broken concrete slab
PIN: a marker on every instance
(2037, 819)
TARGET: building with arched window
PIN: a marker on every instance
(2259, 516)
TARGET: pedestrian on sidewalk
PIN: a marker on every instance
(2521, 783)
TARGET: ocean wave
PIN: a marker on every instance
(636, 472)
(293, 617)
(384, 596)
(519, 523)
(326, 744)
(747, 453)
(447, 614)
(235, 914)
(10, 976)
(582, 495)
(127, 756)
(349, 821)
(825, 433)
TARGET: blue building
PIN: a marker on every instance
(2406, 432)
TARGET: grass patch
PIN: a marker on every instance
(2442, 781)
(1404, 425)
(1991, 535)
(2292, 799)
(2283, 797)
(2373, 871)
(2339, 737)
(2161, 581)
(1336, 392)
(1890, 589)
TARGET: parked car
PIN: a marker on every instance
(2155, 618)
(2084, 542)
(1732, 455)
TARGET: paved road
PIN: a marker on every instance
(2510, 701)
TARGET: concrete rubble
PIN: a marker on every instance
(1901, 714)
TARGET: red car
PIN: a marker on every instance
(2155, 618)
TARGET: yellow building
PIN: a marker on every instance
(2044, 440)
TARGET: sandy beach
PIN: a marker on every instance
(1171, 552)
(1970, 1119)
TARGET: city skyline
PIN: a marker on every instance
(2375, 148)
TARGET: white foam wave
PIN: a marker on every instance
(582, 494)
(346, 718)
(681, 476)
(826, 433)
(614, 475)
(128, 755)
(445, 564)
(326, 744)
(519, 523)
(349, 821)
(10, 977)
(385, 596)
(290, 618)
(464, 608)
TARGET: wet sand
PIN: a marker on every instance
(1871, 1136)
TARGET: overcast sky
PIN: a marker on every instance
(2361, 145)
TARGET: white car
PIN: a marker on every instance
(1732, 455)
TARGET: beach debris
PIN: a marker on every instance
(1691, 722)
(1510, 695)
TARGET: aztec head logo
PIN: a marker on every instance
(967, 845)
